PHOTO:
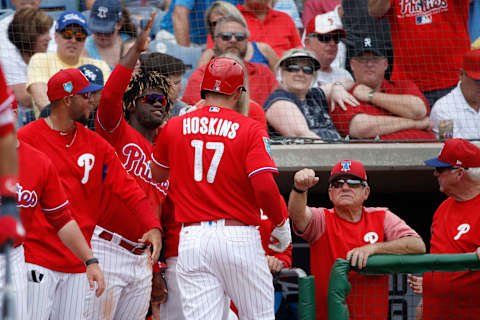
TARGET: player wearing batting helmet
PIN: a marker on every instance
(221, 174)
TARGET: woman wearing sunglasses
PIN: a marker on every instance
(297, 109)
(258, 52)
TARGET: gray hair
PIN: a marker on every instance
(239, 20)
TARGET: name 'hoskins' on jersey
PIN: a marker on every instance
(210, 126)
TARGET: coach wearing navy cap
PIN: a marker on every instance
(455, 229)
(349, 231)
(70, 35)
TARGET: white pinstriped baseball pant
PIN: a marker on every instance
(216, 262)
(19, 282)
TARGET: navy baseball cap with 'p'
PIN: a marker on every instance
(104, 16)
(94, 75)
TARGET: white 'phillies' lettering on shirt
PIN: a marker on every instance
(26, 198)
(210, 126)
(415, 7)
(462, 229)
(370, 237)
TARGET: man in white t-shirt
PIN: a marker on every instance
(322, 36)
(462, 104)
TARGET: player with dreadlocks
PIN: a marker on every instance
(128, 271)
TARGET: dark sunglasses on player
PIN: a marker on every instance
(326, 38)
(154, 98)
(69, 34)
(85, 95)
(352, 183)
(227, 36)
(296, 68)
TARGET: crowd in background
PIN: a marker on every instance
(371, 70)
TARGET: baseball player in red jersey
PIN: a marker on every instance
(89, 169)
(114, 239)
(221, 174)
(455, 229)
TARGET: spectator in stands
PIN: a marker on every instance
(28, 31)
(349, 231)
(171, 68)
(389, 110)
(270, 26)
(258, 52)
(462, 104)
(297, 109)
(110, 25)
(231, 36)
(358, 24)
(429, 41)
(323, 34)
(312, 8)
(290, 8)
(95, 76)
(184, 19)
(71, 32)
(455, 230)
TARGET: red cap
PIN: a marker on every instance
(222, 75)
(471, 64)
(325, 23)
(348, 168)
(457, 152)
(65, 83)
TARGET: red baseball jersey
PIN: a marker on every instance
(453, 295)
(41, 200)
(6, 99)
(88, 168)
(133, 150)
(211, 153)
(429, 41)
(341, 236)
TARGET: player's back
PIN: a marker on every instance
(211, 154)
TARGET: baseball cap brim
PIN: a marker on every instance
(475, 76)
(101, 26)
(435, 162)
(341, 175)
(91, 88)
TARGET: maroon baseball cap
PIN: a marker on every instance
(457, 152)
(67, 82)
(471, 64)
(349, 168)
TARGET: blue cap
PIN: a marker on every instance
(94, 75)
(71, 17)
(104, 16)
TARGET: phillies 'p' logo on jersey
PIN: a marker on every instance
(462, 229)
(370, 237)
(86, 161)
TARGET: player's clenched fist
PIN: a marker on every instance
(305, 179)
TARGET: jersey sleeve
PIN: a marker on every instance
(110, 113)
(259, 158)
(127, 189)
(315, 228)
(395, 228)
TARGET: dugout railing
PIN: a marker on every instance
(339, 285)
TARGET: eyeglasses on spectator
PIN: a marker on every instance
(69, 34)
(326, 38)
(296, 68)
(227, 36)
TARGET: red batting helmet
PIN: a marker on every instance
(222, 75)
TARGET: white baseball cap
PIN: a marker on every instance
(325, 23)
